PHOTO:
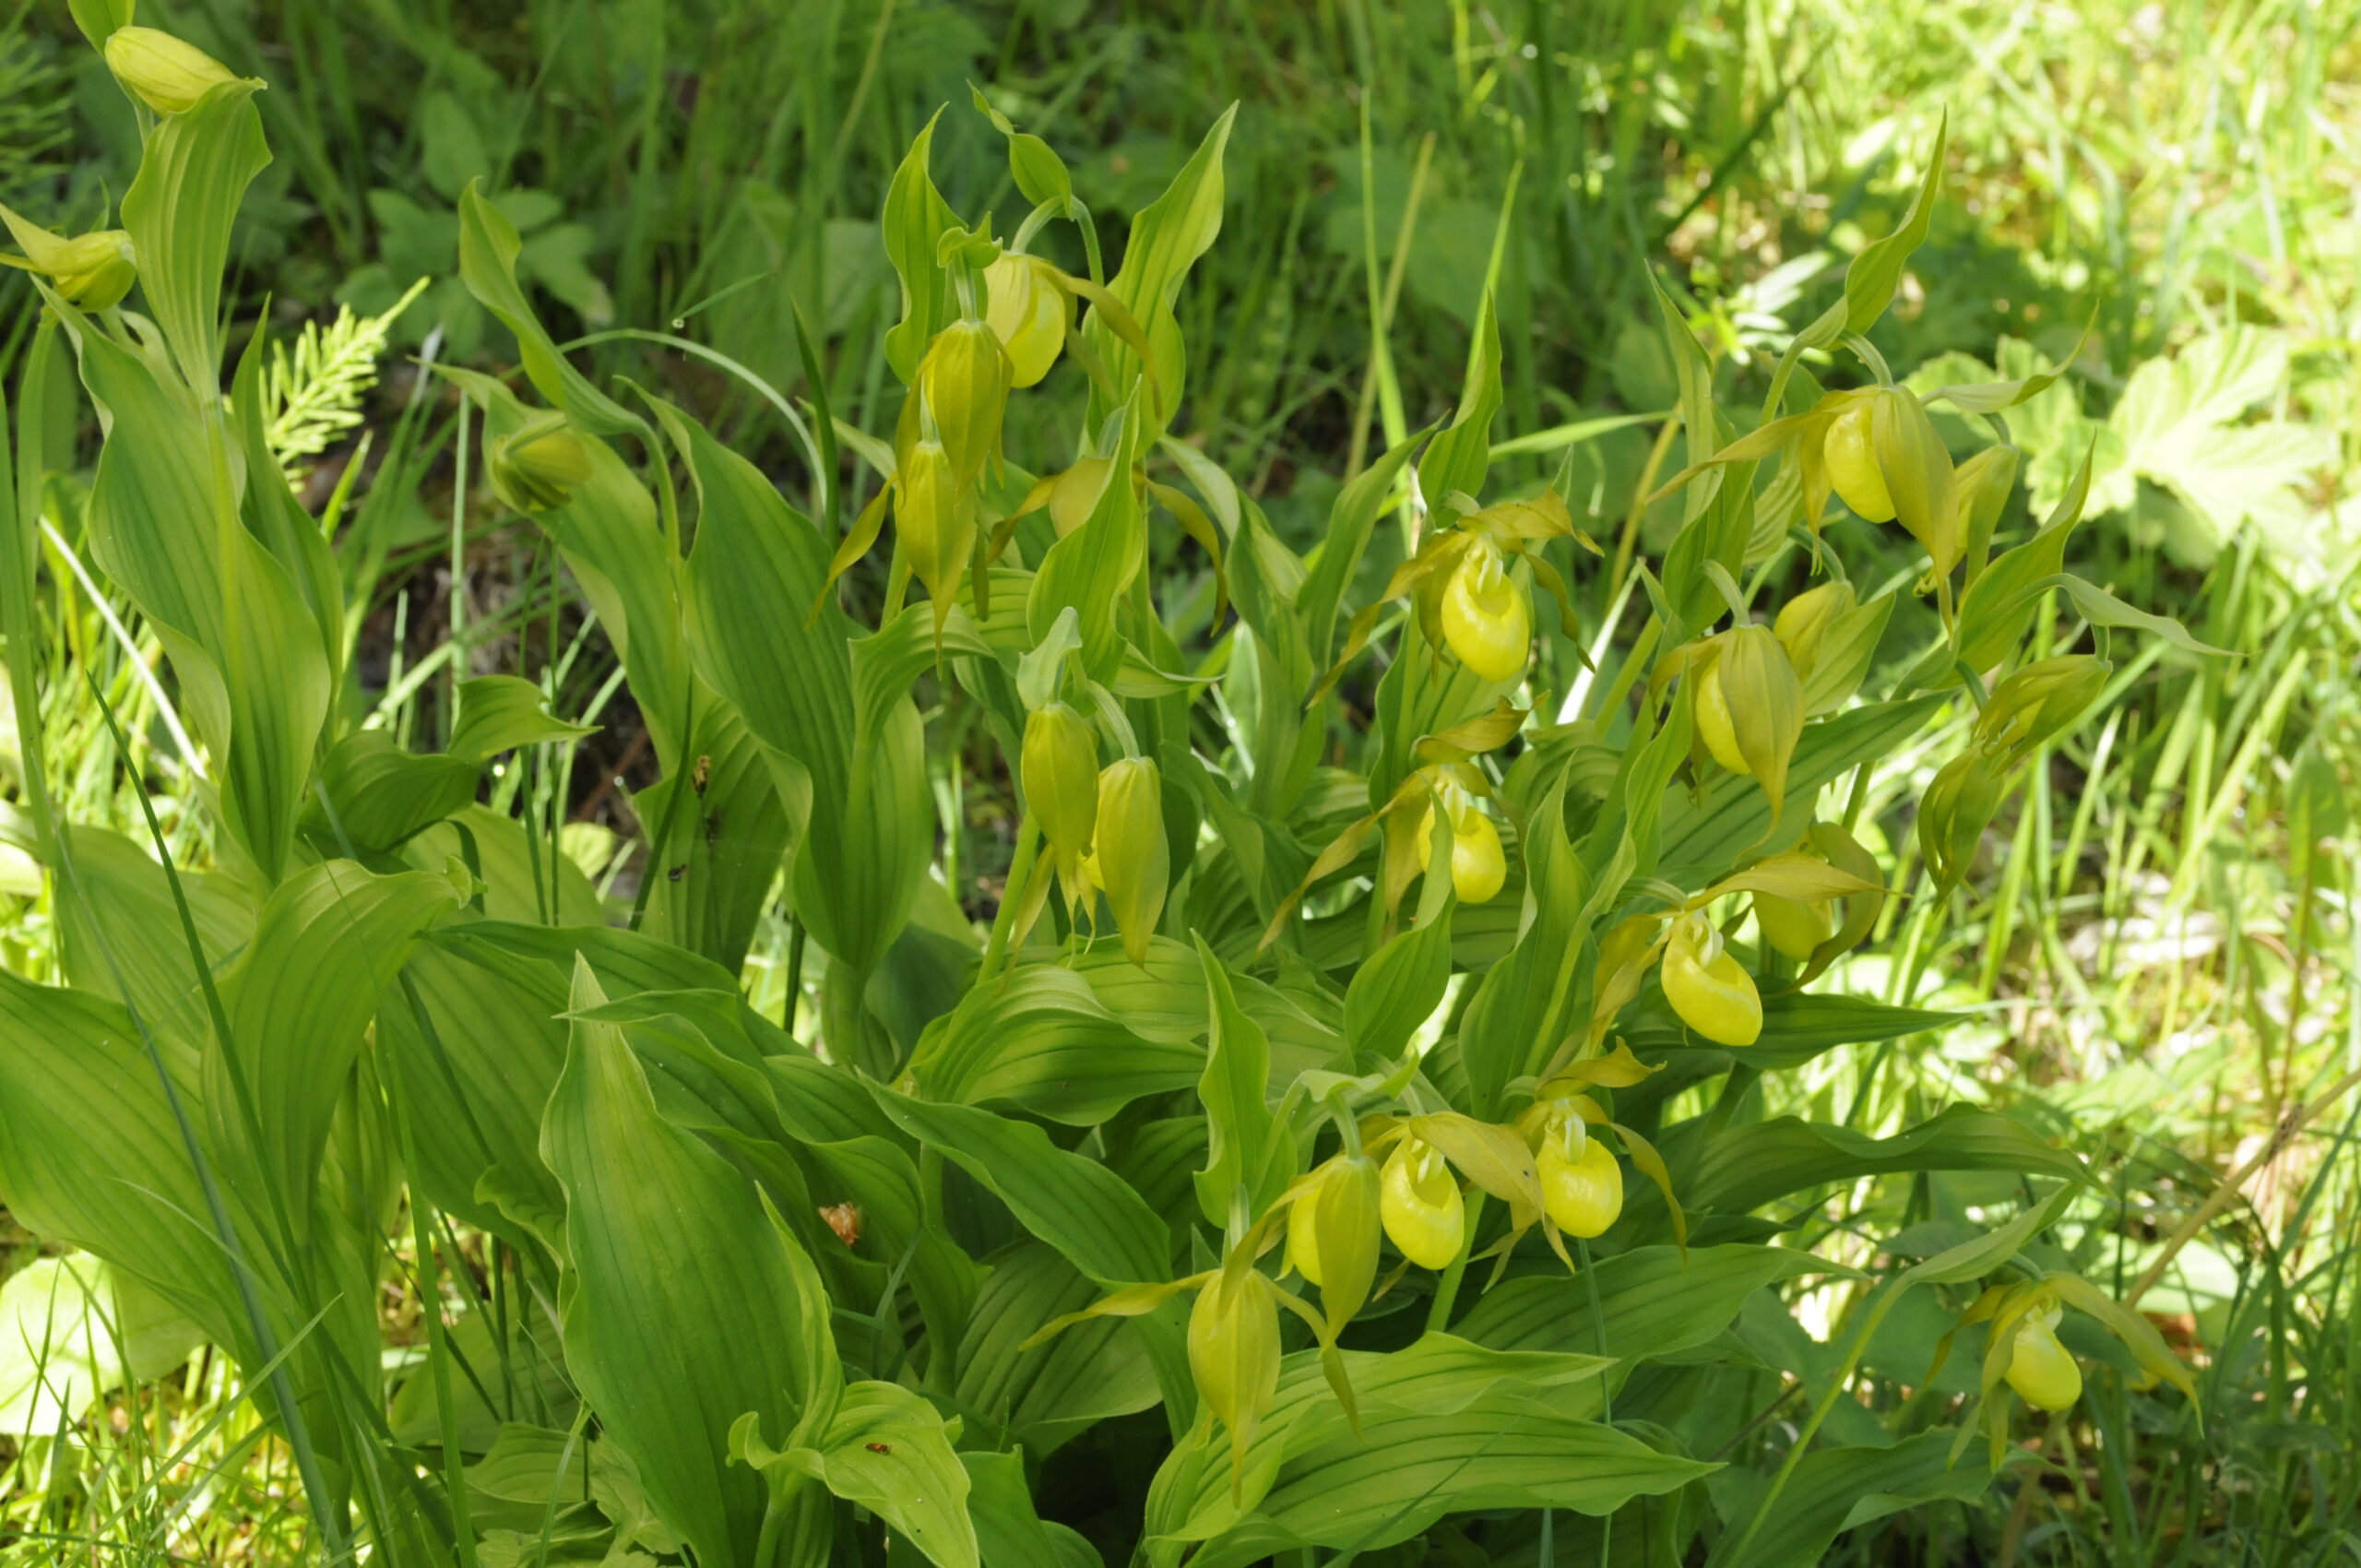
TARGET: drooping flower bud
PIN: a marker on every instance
(1804, 622)
(1716, 726)
(1750, 706)
(1234, 1349)
(1957, 807)
(93, 271)
(1791, 926)
(1028, 312)
(1852, 459)
(1983, 482)
(1885, 459)
(1132, 863)
(539, 465)
(1706, 986)
(169, 75)
(1060, 774)
(1479, 866)
(1075, 493)
(962, 382)
(2041, 1369)
(2039, 700)
(1421, 1205)
(934, 517)
(1332, 1234)
(1485, 617)
(1582, 1184)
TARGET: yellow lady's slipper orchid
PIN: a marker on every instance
(1028, 312)
(1582, 1184)
(1478, 865)
(1485, 617)
(2041, 1369)
(1421, 1205)
(1705, 985)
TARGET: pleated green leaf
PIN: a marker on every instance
(299, 998)
(1076, 1204)
(688, 1307)
(1744, 1167)
(192, 173)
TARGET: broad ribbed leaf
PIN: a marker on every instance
(1837, 1490)
(688, 1307)
(477, 1077)
(1043, 1396)
(1168, 237)
(1701, 842)
(1743, 1167)
(757, 567)
(1043, 1041)
(489, 244)
(1652, 1300)
(1392, 994)
(1076, 1204)
(192, 173)
(299, 998)
(1250, 1156)
(124, 896)
(164, 524)
(90, 1154)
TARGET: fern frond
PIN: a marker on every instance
(312, 397)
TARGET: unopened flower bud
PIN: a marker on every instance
(2039, 700)
(1485, 617)
(1134, 865)
(1028, 312)
(964, 383)
(1061, 775)
(93, 271)
(1957, 807)
(1332, 1234)
(168, 74)
(1234, 1349)
(934, 517)
(538, 466)
(1804, 622)
(1852, 459)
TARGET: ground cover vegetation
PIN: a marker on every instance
(1046, 783)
